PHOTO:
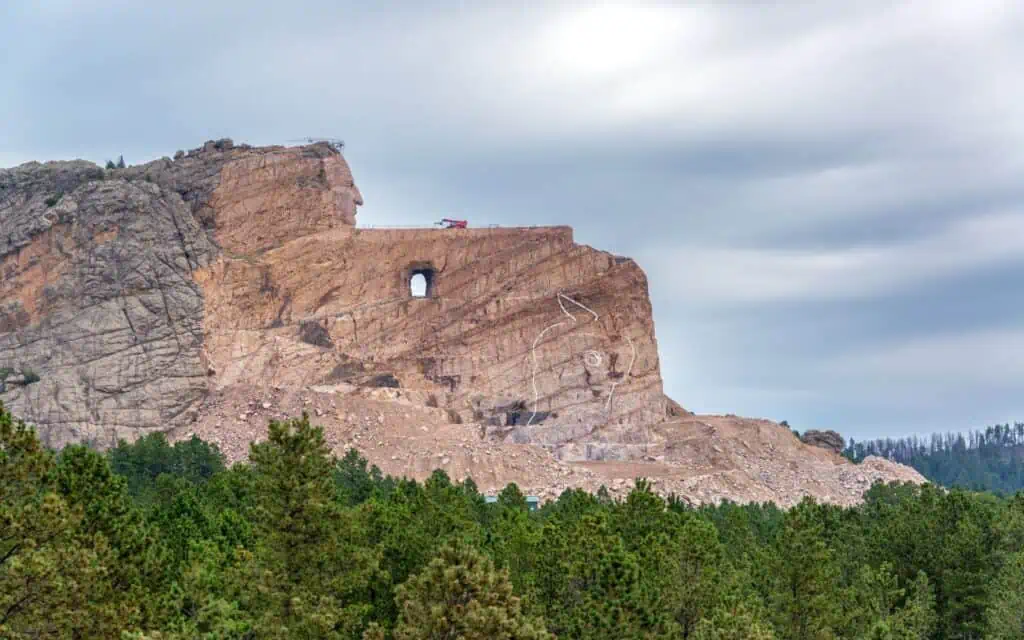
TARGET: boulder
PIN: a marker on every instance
(830, 440)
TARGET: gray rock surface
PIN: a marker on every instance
(100, 303)
(830, 440)
(29, 194)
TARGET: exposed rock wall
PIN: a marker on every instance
(98, 292)
(172, 295)
(131, 291)
(258, 198)
(541, 339)
(99, 303)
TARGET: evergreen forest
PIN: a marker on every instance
(991, 459)
(154, 541)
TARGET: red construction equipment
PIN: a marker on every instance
(448, 223)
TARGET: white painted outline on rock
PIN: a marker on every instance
(591, 357)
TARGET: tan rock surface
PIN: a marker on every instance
(229, 285)
(548, 340)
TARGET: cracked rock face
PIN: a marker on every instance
(100, 304)
(101, 318)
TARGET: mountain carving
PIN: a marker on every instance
(184, 294)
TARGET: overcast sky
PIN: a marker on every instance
(827, 198)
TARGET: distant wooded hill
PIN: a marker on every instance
(984, 460)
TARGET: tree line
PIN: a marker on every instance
(153, 541)
(990, 459)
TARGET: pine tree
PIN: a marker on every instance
(917, 619)
(312, 568)
(737, 622)
(461, 595)
(132, 548)
(198, 597)
(512, 540)
(804, 598)
(591, 586)
(697, 582)
(1004, 618)
(46, 580)
(872, 606)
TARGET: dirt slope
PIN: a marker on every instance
(705, 458)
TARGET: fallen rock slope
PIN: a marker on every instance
(706, 459)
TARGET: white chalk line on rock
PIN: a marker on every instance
(591, 357)
(562, 296)
(533, 354)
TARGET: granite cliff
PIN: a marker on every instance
(208, 292)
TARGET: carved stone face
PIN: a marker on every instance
(343, 188)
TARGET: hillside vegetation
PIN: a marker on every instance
(153, 541)
(983, 460)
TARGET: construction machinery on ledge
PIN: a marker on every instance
(335, 143)
(448, 223)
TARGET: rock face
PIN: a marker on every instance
(99, 303)
(99, 295)
(254, 199)
(539, 339)
(138, 299)
(830, 440)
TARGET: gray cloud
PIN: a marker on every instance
(826, 196)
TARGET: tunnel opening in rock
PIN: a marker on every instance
(418, 285)
(421, 281)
